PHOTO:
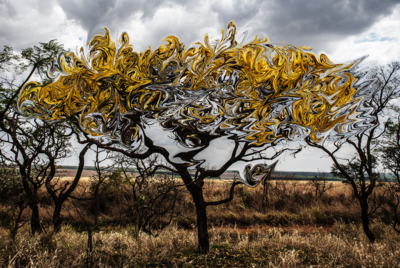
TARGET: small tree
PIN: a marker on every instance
(155, 193)
(23, 141)
(361, 171)
(61, 190)
(320, 185)
(33, 146)
(389, 154)
(23, 146)
(42, 145)
(13, 197)
(103, 173)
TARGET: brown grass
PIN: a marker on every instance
(292, 229)
(345, 246)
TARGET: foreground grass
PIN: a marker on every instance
(342, 246)
(286, 226)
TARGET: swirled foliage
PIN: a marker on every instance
(257, 91)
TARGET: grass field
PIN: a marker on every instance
(287, 227)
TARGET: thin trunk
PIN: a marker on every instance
(265, 195)
(89, 247)
(57, 217)
(14, 228)
(97, 204)
(35, 222)
(365, 221)
(90, 240)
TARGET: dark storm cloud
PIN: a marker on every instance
(88, 13)
(95, 14)
(312, 23)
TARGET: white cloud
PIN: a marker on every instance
(188, 26)
(383, 44)
(38, 21)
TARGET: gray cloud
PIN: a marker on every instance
(93, 15)
(25, 23)
(7, 9)
(319, 24)
(312, 23)
(88, 13)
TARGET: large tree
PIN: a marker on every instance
(257, 96)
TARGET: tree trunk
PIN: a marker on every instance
(35, 222)
(96, 204)
(15, 226)
(365, 221)
(197, 194)
(57, 217)
(202, 230)
(265, 198)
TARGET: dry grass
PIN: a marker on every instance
(345, 246)
(289, 203)
(291, 229)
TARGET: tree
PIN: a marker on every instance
(258, 96)
(319, 185)
(389, 146)
(388, 151)
(22, 147)
(362, 170)
(60, 191)
(39, 59)
(103, 173)
(34, 147)
(31, 145)
(154, 196)
(12, 195)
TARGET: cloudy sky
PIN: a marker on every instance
(342, 29)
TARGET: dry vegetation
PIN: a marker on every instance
(287, 227)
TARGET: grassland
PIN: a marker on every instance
(287, 227)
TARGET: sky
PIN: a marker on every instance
(343, 29)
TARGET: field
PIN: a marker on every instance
(285, 226)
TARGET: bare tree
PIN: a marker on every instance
(24, 146)
(104, 171)
(389, 154)
(42, 146)
(31, 145)
(361, 171)
(61, 190)
(320, 185)
(155, 193)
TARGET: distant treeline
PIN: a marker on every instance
(277, 175)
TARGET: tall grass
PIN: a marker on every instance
(345, 246)
(286, 203)
(287, 227)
